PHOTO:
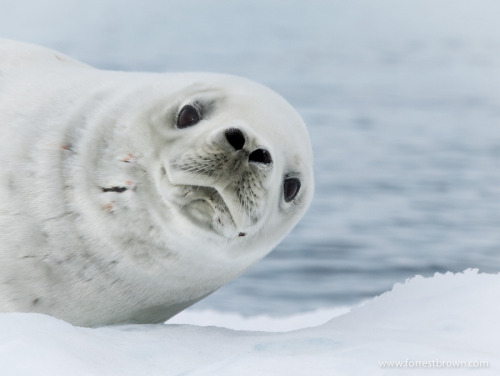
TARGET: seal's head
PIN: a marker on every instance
(218, 170)
(235, 160)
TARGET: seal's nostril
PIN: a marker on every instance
(235, 138)
(260, 156)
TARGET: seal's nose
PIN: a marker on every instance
(236, 138)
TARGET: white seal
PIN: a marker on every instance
(126, 197)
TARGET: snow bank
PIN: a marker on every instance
(259, 323)
(444, 319)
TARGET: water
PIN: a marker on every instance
(402, 100)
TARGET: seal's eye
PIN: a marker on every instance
(291, 187)
(187, 117)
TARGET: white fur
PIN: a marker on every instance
(67, 130)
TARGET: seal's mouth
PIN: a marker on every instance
(199, 198)
(204, 205)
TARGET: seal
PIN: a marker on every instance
(126, 197)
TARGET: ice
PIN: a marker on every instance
(443, 319)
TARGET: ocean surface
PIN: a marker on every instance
(402, 101)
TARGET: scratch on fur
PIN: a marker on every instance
(56, 217)
(129, 158)
(114, 189)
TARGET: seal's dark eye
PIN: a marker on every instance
(291, 187)
(187, 117)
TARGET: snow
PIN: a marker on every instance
(443, 319)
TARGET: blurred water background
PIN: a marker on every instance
(402, 100)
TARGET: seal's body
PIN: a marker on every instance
(126, 197)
